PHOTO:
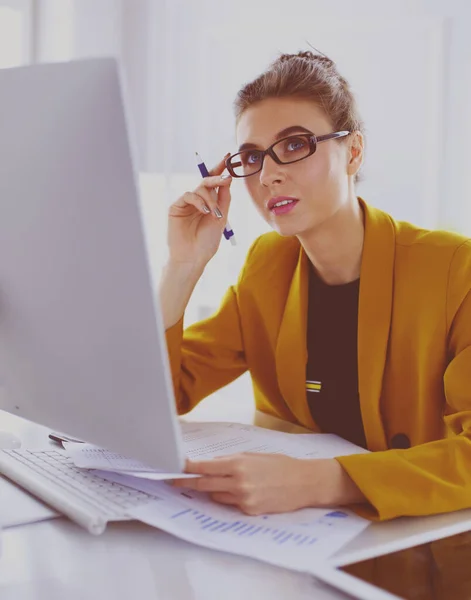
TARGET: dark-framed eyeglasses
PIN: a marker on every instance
(288, 150)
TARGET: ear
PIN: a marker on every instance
(355, 153)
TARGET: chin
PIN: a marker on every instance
(290, 229)
(286, 232)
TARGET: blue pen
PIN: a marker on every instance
(228, 233)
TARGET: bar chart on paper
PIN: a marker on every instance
(290, 539)
(272, 534)
(294, 540)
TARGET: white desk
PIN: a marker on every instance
(56, 559)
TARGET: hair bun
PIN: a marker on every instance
(307, 55)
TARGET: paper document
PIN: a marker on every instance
(296, 540)
(88, 456)
(207, 440)
(202, 441)
(293, 540)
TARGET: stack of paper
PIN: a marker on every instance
(204, 441)
(293, 540)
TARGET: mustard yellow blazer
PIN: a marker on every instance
(414, 358)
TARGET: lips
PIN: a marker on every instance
(273, 201)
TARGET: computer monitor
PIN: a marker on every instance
(82, 345)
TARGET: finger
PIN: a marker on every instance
(209, 203)
(193, 199)
(216, 181)
(219, 168)
(208, 484)
(202, 199)
(207, 190)
(225, 498)
(223, 466)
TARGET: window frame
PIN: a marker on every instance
(26, 9)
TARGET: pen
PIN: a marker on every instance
(228, 233)
(59, 438)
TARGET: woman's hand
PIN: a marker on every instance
(272, 483)
(197, 219)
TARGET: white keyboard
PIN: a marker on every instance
(86, 498)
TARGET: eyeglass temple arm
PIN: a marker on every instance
(331, 136)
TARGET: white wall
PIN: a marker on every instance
(408, 63)
(15, 32)
(409, 69)
(184, 60)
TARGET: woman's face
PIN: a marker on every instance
(319, 184)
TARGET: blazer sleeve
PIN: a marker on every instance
(209, 354)
(434, 477)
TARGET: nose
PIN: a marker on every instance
(271, 172)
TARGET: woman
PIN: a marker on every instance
(348, 321)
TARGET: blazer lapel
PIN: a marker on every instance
(291, 348)
(374, 318)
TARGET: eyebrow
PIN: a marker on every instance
(281, 134)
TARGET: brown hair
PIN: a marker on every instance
(309, 76)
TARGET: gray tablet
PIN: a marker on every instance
(436, 569)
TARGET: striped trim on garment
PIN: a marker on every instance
(313, 386)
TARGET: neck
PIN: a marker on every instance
(335, 247)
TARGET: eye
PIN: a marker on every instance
(295, 144)
(251, 157)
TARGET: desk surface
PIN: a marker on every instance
(56, 559)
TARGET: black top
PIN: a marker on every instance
(332, 366)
